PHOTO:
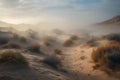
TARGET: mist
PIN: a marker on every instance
(59, 39)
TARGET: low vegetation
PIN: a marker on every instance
(73, 37)
(92, 43)
(12, 45)
(48, 40)
(12, 56)
(23, 39)
(4, 40)
(107, 57)
(113, 36)
(52, 61)
(58, 51)
(70, 41)
(32, 34)
(34, 47)
(19, 38)
(58, 31)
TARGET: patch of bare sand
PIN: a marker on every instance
(78, 63)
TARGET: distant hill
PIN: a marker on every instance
(105, 27)
(5, 24)
(112, 21)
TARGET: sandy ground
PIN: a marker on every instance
(36, 70)
(76, 65)
(78, 62)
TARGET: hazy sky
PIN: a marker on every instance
(58, 12)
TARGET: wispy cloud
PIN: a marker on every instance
(72, 12)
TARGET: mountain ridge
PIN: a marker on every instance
(113, 21)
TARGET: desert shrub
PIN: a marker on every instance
(68, 43)
(92, 43)
(47, 43)
(19, 38)
(15, 36)
(12, 45)
(115, 37)
(4, 40)
(108, 56)
(73, 37)
(82, 57)
(23, 39)
(58, 31)
(52, 61)
(32, 34)
(34, 47)
(48, 40)
(58, 51)
(12, 56)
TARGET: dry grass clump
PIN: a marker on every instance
(12, 56)
(12, 45)
(34, 48)
(58, 51)
(47, 43)
(58, 31)
(91, 43)
(48, 40)
(52, 61)
(107, 57)
(32, 34)
(70, 41)
(114, 37)
(19, 38)
(73, 37)
(23, 39)
(15, 36)
(83, 57)
(4, 40)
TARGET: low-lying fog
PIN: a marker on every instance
(91, 29)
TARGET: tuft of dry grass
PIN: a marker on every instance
(113, 37)
(23, 39)
(58, 31)
(82, 57)
(52, 61)
(12, 56)
(47, 43)
(4, 40)
(58, 51)
(12, 45)
(34, 47)
(70, 41)
(92, 42)
(48, 40)
(107, 57)
(73, 37)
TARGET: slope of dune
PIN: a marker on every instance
(105, 27)
(5, 24)
(76, 63)
(113, 21)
